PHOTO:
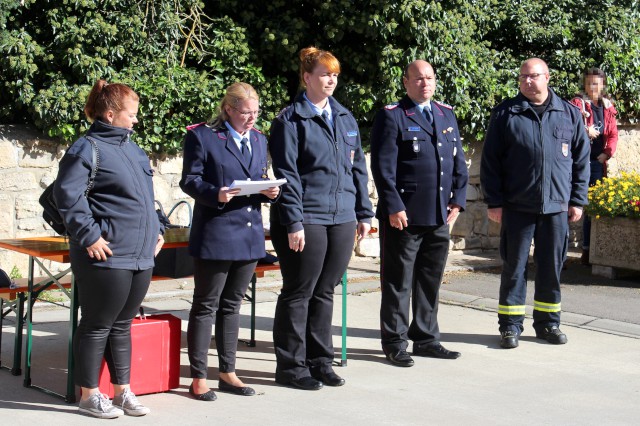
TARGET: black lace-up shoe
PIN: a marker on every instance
(552, 334)
(400, 358)
(508, 339)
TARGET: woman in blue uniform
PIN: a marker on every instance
(315, 145)
(227, 236)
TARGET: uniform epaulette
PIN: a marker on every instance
(253, 128)
(391, 106)
(443, 104)
(193, 126)
(282, 111)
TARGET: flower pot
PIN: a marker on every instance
(615, 242)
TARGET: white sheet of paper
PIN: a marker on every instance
(248, 187)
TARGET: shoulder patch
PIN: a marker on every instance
(443, 104)
(283, 110)
(193, 126)
(391, 106)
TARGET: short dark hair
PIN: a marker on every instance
(597, 72)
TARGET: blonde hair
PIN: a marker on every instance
(311, 56)
(104, 97)
(233, 94)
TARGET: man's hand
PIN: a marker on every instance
(454, 211)
(575, 213)
(399, 220)
(495, 214)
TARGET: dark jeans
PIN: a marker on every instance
(413, 262)
(550, 234)
(597, 173)
(220, 286)
(109, 299)
(302, 323)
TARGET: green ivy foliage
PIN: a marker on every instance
(177, 58)
(475, 46)
(179, 55)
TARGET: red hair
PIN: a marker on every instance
(311, 56)
(104, 97)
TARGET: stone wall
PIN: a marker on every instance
(29, 162)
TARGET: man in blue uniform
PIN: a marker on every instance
(420, 172)
(534, 173)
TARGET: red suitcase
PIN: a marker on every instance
(155, 356)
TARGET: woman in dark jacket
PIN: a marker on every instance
(227, 236)
(315, 145)
(114, 234)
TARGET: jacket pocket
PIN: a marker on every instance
(412, 145)
(146, 167)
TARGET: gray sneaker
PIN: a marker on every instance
(130, 404)
(99, 405)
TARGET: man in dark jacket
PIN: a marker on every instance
(421, 176)
(534, 172)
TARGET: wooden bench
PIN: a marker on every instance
(13, 300)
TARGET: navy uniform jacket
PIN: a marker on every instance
(416, 167)
(535, 165)
(223, 231)
(325, 168)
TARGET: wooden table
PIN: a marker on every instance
(55, 249)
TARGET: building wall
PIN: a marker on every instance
(29, 163)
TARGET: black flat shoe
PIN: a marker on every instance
(207, 396)
(236, 390)
(329, 379)
(435, 351)
(400, 358)
(304, 383)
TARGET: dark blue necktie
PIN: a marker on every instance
(245, 150)
(427, 114)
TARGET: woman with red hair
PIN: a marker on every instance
(114, 235)
(315, 145)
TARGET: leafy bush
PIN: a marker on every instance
(180, 54)
(615, 196)
(177, 58)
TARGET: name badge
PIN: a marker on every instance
(413, 129)
(352, 133)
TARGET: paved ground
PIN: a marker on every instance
(593, 380)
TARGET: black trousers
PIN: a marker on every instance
(550, 235)
(413, 262)
(302, 324)
(109, 299)
(220, 286)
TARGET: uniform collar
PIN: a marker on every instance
(304, 109)
(521, 103)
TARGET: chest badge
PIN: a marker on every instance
(565, 149)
